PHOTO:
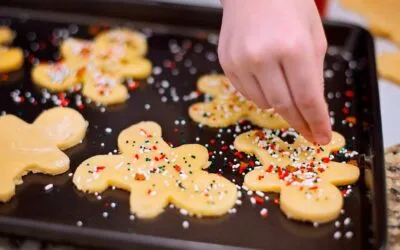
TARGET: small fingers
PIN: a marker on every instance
(303, 76)
(274, 87)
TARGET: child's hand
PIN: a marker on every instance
(273, 52)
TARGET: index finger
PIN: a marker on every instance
(306, 87)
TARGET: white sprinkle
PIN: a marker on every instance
(347, 221)
(264, 212)
(102, 109)
(249, 192)
(259, 193)
(70, 174)
(267, 198)
(185, 224)
(238, 202)
(337, 235)
(102, 144)
(315, 224)
(183, 122)
(197, 139)
(337, 223)
(48, 187)
(147, 106)
(108, 130)
(98, 197)
(342, 211)
(105, 214)
(349, 235)
(253, 200)
(183, 211)
(79, 223)
(329, 73)
(176, 122)
(113, 204)
(157, 70)
(131, 217)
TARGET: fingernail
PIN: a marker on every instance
(322, 139)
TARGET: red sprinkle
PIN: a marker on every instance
(269, 169)
(243, 167)
(326, 160)
(99, 168)
(177, 168)
(259, 200)
(349, 93)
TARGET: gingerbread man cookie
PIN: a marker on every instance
(11, 59)
(100, 66)
(156, 174)
(37, 147)
(302, 172)
(228, 107)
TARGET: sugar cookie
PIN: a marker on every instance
(76, 49)
(133, 43)
(382, 16)
(104, 88)
(157, 174)
(6, 35)
(11, 59)
(100, 66)
(36, 147)
(228, 106)
(58, 76)
(301, 171)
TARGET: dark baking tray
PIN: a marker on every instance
(53, 215)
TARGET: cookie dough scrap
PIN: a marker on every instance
(100, 66)
(228, 107)
(11, 58)
(302, 172)
(156, 174)
(37, 147)
(382, 16)
(388, 66)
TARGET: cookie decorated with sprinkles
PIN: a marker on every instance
(228, 106)
(132, 43)
(156, 174)
(101, 66)
(36, 147)
(302, 172)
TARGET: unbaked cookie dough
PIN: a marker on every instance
(228, 107)
(302, 172)
(100, 66)
(131, 42)
(11, 58)
(6, 35)
(58, 76)
(388, 66)
(156, 174)
(37, 147)
(382, 16)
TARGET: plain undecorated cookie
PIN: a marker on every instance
(36, 147)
